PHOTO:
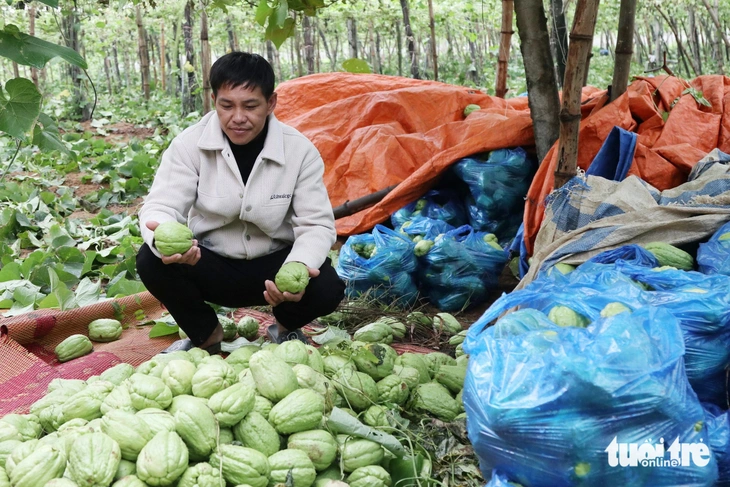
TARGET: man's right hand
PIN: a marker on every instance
(191, 257)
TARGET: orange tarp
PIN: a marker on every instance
(375, 131)
(666, 151)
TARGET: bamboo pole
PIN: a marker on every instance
(163, 77)
(143, 57)
(505, 41)
(581, 40)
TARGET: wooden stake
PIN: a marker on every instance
(434, 51)
(624, 48)
(581, 40)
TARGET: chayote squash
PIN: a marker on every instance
(233, 403)
(105, 330)
(248, 327)
(359, 452)
(335, 363)
(385, 360)
(129, 431)
(125, 468)
(308, 378)
(376, 417)
(163, 460)
(612, 309)
(565, 316)
(28, 426)
(240, 356)
(147, 391)
(19, 454)
(376, 332)
(172, 238)
(292, 352)
(436, 360)
(299, 411)
(433, 398)
(319, 445)
(225, 436)
(357, 388)
(73, 347)
(332, 477)
(315, 359)
(451, 377)
(6, 448)
(117, 374)
(393, 389)
(44, 463)
(417, 362)
(211, 377)
(256, 433)
(157, 420)
(370, 476)
(274, 378)
(669, 255)
(196, 424)
(241, 465)
(262, 406)
(93, 460)
(57, 482)
(294, 463)
(201, 475)
(86, 404)
(178, 376)
(129, 481)
(292, 277)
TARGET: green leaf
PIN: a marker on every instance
(279, 35)
(20, 109)
(281, 14)
(32, 51)
(698, 96)
(355, 65)
(87, 292)
(404, 471)
(162, 329)
(10, 272)
(262, 12)
(63, 295)
(125, 287)
(46, 136)
(50, 3)
(330, 335)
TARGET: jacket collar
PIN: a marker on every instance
(213, 138)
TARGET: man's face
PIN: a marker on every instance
(242, 112)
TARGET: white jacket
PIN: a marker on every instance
(285, 201)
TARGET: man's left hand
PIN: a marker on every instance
(274, 297)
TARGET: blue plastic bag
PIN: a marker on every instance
(424, 227)
(547, 405)
(387, 275)
(498, 182)
(718, 428)
(443, 204)
(713, 256)
(499, 480)
(460, 269)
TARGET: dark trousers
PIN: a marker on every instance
(184, 289)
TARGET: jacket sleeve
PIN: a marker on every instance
(173, 191)
(313, 220)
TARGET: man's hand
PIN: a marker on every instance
(274, 297)
(191, 257)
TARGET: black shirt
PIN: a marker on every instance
(246, 155)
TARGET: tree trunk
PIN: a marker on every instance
(716, 21)
(308, 43)
(434, 46)
(624, 48)
(330, 55)
(127, 69)
(505, 41)
(559, 33)
(205, 57)
(378, 52)
(144, 62)
(270, 55)
(542, 89)
(107, 71)
(694, 40)
(413, 55)
(151, 43)
(581, 40)
(658, 35)
(640, 49)
(31, 31)
(473, 69)
(72, 24)
(176, 28)
(298, 50)
(680, 44)
(352, 36)
(163, 58)
(399, 46)
(117, 72)
(232, 37)
(189, 102)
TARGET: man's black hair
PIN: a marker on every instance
(242, 69)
